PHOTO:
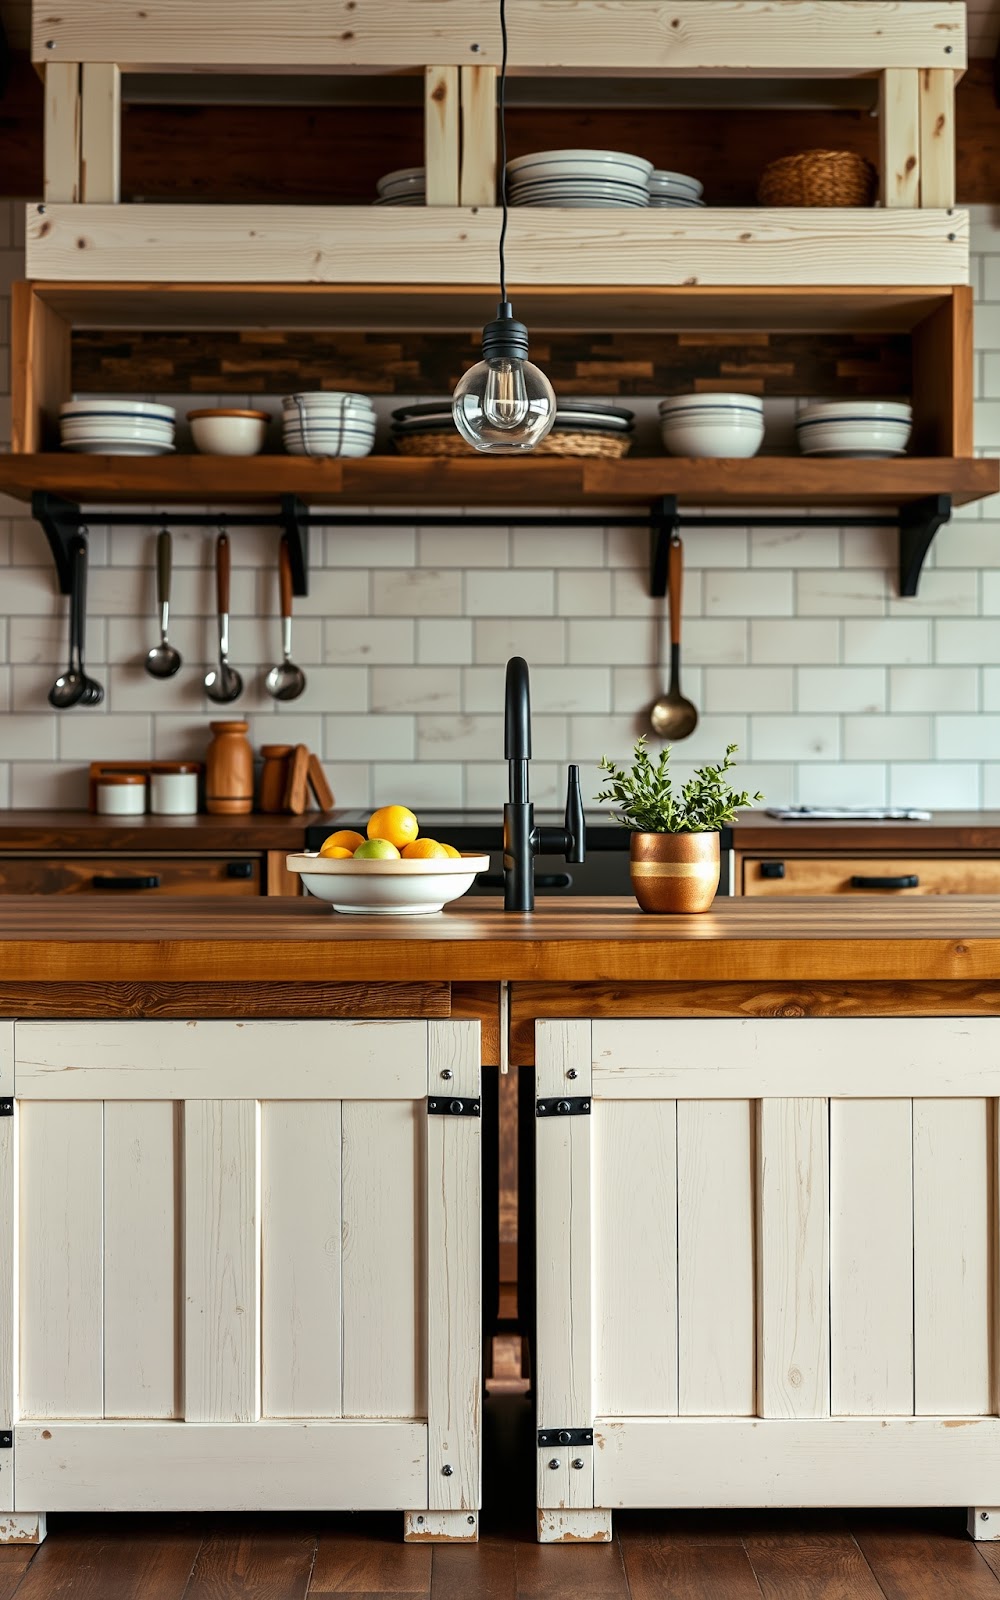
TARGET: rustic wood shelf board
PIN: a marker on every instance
(682, 38)
(426, 307)
(391, 480)
(450, 244)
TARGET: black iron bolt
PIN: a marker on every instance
(475, 48)
(562, 1105)
(555, 1464)
(572, 1073)
(578, 1463)
(447, 1471)
(447, 1073)
(564, 1437)
(456, 1107)
(471, 1521)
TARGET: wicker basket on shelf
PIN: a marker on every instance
(611, 446)
(819, 178)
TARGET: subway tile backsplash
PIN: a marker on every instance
(796, 646)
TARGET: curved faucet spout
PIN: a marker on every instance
(517, 712)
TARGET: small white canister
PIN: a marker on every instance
(121, 794)
(173, 790)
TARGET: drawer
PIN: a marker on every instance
(894, 875)
(130, 875)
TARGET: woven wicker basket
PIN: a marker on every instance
(819, 178)
(612, 446)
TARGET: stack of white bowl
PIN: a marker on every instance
(333, 423)
(674, 189)
(407, 186)
(584, 179)
(725, 425)
(865, 428)
(113, 427)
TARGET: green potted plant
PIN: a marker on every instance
(674, 850)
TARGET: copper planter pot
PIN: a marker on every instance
(674, 871)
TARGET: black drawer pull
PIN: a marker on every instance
(772, 869)
(907, 881)
(125, 883)
(239, 869)
(543, 880)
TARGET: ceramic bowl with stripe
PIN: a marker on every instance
(387, 888)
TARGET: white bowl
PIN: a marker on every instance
(220, 432)
(116, 447)
(856, 410)
(325, 399)
(712, 402)
(580, 163)
(847, 439)
(351, 449)
(112, 406)
(387, 888)
(659, 178)
(722, 437)
(401, 178)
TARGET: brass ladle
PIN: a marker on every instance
(672, 717)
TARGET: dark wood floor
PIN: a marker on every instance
(857, 1555)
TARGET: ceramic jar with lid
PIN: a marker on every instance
(229, 770)
(121, 794)
(173, 789)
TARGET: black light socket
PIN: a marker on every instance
(504, 338)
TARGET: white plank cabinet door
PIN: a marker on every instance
(240, 1267)
(768, 1270)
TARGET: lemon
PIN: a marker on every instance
(346, 840)
(394, 823)
(423, 850)
(335, 852)
(376, 850)
(449, 850)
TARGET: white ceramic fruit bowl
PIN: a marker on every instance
(387, 888)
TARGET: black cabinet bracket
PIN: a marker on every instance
(62, 523)
(918, 523)
(663, 525)
(295, 527)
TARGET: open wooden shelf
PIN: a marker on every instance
(496, 483)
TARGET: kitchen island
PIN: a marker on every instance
(240, 1205)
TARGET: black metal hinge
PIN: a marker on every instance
(454, 1107)
(6, 1108)
(563, 1107)
(565, 1436)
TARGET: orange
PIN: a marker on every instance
(335, 852)
(423, 850)
(346, 840)
(394, 823)
(449, 850)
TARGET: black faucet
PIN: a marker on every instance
(522, 841)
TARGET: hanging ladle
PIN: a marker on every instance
(287, 681)
(223, 683)
(163, 660)
(672, 717)
(74, 687)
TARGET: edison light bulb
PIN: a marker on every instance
(504, 403)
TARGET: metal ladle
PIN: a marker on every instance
(287, 681)
(74, 687)
(223, 683)
(672, 717)
(163, 660)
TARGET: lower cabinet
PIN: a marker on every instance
(240, 1268)
(767, 1266)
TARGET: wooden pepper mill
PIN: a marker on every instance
(229, 770)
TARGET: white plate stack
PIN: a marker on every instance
(866, 429)
(670, 190)
(581, 179)
(722, 425)
(328, 424)
(113, 427)
(407, 186)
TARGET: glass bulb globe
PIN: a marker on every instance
(504, 404)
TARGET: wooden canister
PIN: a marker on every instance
(273, 777)
(229, 770)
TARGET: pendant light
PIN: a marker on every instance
(504, 403)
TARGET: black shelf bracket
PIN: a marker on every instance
(663, 524)
(918, 523)
(295, 527)
(63, 526)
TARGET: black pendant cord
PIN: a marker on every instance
(502, 104)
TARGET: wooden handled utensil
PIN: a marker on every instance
(672, 717)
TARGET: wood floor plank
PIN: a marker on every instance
(14, 1562)
(688, 1572)
(113, 1558)
(824, 1574)
(679, 1527)
(910, 1564)
(263, 1558)
(366, 1555)
(569, 1571)
(795, 1530)
(487, 1570)
(991, 1555)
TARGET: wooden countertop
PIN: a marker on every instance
(48, 939)
(946, 830)
(62, 831)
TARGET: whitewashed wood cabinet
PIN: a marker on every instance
(767, 1266)
(240, 1268)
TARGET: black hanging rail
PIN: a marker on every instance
(916, 522)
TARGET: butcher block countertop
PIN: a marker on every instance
(51, 939)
